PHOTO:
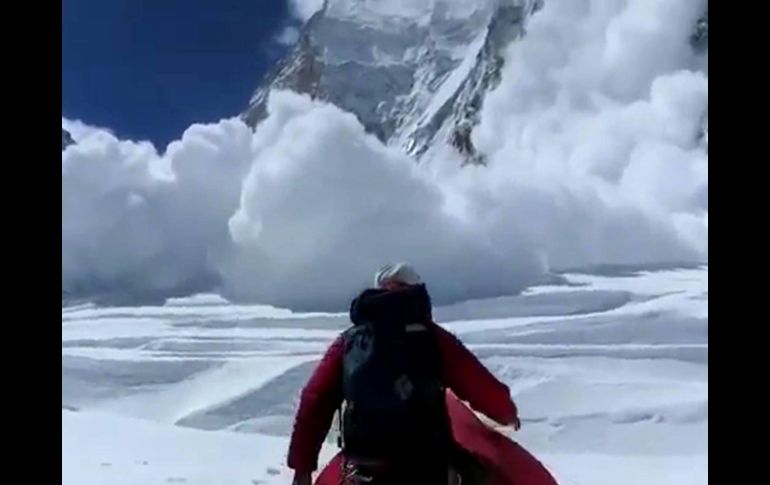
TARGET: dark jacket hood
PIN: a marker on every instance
(407, 305)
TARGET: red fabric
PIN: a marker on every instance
(332, 472)
(506, 462)
(319, 400)
(322, 396)
(467, 377)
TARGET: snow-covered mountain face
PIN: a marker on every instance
(415, 76)
(66, 139)
(414, 73)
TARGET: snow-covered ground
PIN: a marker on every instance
(610, 374)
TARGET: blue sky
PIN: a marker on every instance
(147, 69)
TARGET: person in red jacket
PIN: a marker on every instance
(398, 286)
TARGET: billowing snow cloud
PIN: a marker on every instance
(139, 223)
(597, 117)
(304, 9)
(325, 204)
(79, 130)
(593, 158)
(288, 36)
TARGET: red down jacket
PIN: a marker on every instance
(463, 374)
(505, 462)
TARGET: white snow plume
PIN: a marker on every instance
(325, 204)
(288, 36)
(137, 223)
(591, 143)
(304, 9)
(79, 130)
(592, 134)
